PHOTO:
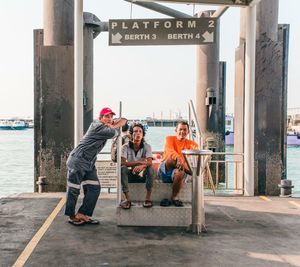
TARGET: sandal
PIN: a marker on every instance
(165, 202)
(92, 221)
(76, 222)
(147, 203)
(126, 204)
(177, 203)
(86, 219)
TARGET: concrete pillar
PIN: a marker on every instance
(91, 29)
(88, 79)
(54, 94)
(58, 22)
(38, 43)
(269, 99)
(283, 38)
(239, 105)
(211, 117)
(207, 78)
(222, 102)
(249, 101)
(78, 71)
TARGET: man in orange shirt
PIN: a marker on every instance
(173, 168)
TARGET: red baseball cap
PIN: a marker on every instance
(106, 111)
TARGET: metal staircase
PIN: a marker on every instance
(172, 216)
(137, 215)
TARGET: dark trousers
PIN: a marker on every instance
(91, 189)
(128, 176)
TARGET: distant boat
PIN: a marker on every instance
(30, 124)
(5, 125)
(292, 137)
(12, 125)
(18, 125)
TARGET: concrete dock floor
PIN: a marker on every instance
(242, 231)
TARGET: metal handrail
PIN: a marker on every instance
(229, 154)
(119, 147)
(235, 173)
(193, 117)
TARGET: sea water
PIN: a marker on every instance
(16, 159)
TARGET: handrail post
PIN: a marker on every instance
(119, 145)
(198, 160)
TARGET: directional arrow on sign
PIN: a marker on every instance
(208, 37)
(116, 38)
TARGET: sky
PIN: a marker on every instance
(149, 80)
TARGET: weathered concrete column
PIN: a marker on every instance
(239, 105)
(38, 42)
(207, 80)
(58, 19)
(208, 98)
(269, 165)
(249, 119)
(55, 80)
(283, 39)
(91, 30)
(88, 81)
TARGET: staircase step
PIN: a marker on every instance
(137, 215)
(160, 191)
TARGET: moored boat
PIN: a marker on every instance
(293, 134)
(13, 125)
(5, 125)
(18, 125)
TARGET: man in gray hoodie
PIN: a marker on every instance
(82, 170)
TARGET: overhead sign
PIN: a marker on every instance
(185, 31)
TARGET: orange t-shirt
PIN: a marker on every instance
(173, 147)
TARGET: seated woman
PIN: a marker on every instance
(136, 165)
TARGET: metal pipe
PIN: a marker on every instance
(198, 215)
(198, 129)
(217, 174)
(210, 179)
(226, 175)
(207, 2)
(228, 153)
(249, 101)
(235, 175)
(119, 145)
(161, 9)
(219, 12)
(78, 71)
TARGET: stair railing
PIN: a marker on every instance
(193, 120)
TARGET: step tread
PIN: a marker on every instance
(137, 215)
(156, 204)
(137, 191)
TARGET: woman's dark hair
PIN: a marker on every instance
(137, 125)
